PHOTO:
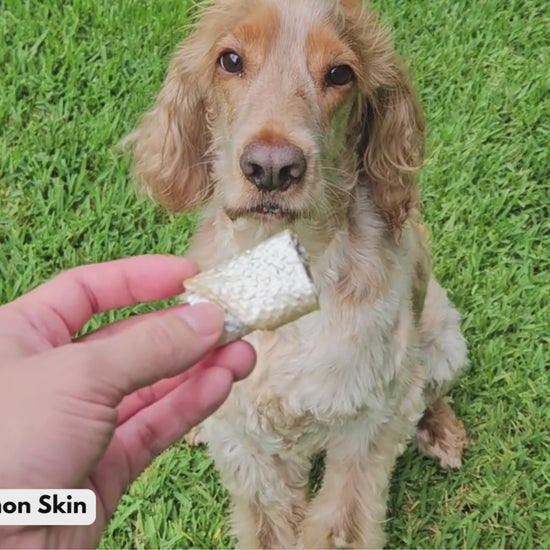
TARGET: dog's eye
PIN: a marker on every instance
(340, 75)
(231, 62)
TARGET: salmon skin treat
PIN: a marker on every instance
(261, 289)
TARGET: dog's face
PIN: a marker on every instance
(283, 78)
(274, 107)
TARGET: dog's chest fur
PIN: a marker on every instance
(346, 361)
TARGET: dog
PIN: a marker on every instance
(299, 114)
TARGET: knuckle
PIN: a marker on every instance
(146, 433)
(145, 396)
(166, 346)
(148, 438)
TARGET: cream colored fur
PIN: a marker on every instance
(356, 377)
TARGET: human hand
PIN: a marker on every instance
(93, 412)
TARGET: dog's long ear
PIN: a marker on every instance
(171, 142)
(391, 147)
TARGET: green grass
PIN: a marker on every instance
(74, 79)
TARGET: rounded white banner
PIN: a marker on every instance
(47, 506)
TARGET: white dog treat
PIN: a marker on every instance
(261, 289)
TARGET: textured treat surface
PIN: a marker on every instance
(261, 289)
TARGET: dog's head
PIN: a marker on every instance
(275, 107)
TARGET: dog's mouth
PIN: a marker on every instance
(270, 210)
(266, 210)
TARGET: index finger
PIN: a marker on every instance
(71, 298)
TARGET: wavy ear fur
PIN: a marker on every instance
(390, 122)
(171, 143)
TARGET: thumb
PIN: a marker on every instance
(157, 348)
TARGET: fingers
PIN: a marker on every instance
(158, 348)
(63, 305)
(137, 441)
(238, 357)
(124, 324)
(155, 428)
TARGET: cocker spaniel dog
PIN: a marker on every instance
(298, 114)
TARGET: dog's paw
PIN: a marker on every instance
(193, 437)
(440, 434)
(337, 533)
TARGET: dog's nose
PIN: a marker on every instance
(273, 167)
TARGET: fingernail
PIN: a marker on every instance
(204, 319)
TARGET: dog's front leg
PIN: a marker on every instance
(268, 490)
(349, 510)
(274, 522)
(268, 509)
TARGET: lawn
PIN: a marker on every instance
(74, 79)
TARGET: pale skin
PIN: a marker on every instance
(93, 412)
